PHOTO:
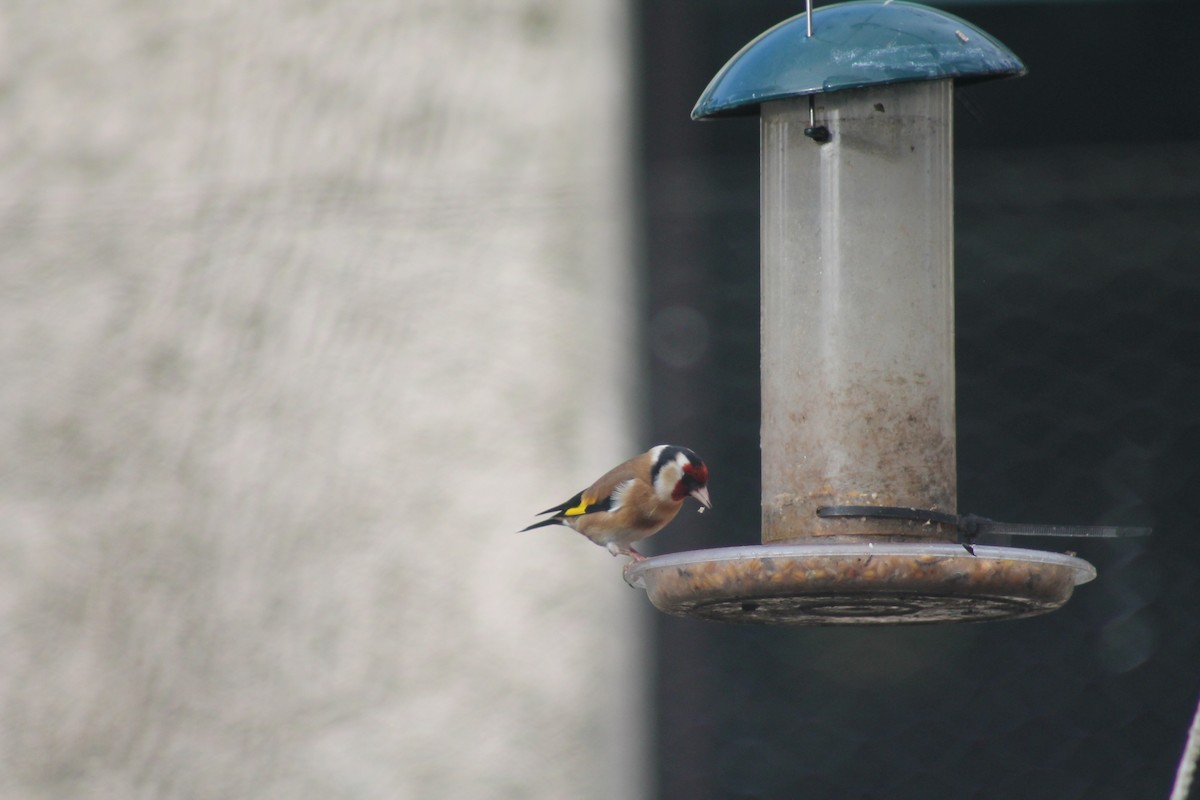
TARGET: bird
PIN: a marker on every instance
(634, 500)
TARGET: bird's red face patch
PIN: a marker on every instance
(694, 476)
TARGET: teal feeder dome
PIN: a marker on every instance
(852, 45)
(860, 523)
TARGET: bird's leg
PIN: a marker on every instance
(618, 550)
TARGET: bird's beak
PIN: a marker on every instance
(701, 494)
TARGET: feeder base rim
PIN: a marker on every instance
(634, 571)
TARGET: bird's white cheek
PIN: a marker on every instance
(664, 485)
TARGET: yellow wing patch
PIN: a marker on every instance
(582, 508)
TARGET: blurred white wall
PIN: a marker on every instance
(305, 307)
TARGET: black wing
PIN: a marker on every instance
(574, 507)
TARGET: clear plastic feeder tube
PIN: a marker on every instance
(857, 310)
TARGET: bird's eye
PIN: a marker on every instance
(695, 473)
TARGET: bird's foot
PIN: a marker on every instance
(634, 557)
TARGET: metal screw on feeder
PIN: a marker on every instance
(859, 519)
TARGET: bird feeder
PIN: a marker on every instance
(859, 515)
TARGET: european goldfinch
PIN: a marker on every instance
(634, 500)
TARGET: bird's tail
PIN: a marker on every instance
(543, 523)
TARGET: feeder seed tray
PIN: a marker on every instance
(848, 584)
